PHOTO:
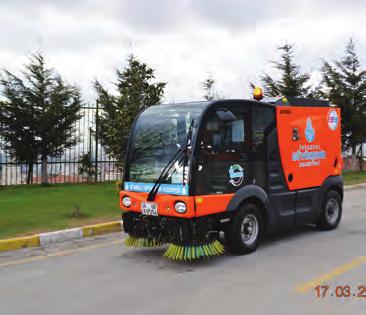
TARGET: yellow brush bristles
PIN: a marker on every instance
(141, 242)
(191, 252)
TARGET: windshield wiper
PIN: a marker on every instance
(176, 157)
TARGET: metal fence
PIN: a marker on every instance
(65, 168)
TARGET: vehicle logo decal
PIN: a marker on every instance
(236, 174)
(309, 131)
(332, 119)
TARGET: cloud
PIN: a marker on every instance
(184, 40)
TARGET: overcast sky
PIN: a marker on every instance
(184, 40)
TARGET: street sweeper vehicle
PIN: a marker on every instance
(232, 170)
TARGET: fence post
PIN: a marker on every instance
(90, 144)
(361, 148)
(96, 140)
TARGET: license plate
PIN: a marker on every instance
(149, 208)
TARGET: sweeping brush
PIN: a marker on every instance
(141, 242)
(191, 252)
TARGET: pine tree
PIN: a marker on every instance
(344, 84)
(292, 82)
(39, 113)
(209, 88)
(135, 92)
(17, 126)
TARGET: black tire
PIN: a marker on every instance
(331, 211)
(238, 230)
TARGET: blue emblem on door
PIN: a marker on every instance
(236, 174)
(309, 131)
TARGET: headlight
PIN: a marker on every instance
(126, 201)
(180, 207)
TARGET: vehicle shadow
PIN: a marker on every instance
(154, 256)
(289, 235)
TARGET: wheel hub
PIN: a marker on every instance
(249, 229)
(332, 211)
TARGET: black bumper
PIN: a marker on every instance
(170, 229)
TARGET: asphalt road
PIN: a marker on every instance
(101, 276)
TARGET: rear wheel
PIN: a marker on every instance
(331, 211)
(246, 230)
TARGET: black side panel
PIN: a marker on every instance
(281, 200)
(307, 205)
(282, 207)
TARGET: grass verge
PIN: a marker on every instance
(353, 178)
(25, 210)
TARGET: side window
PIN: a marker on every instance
(262, 117)
(220, 136)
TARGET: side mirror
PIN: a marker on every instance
(225, 115)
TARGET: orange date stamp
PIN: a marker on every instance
(340, 291)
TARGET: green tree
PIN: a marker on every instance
(208, 86)
(87, 167)
(38, 113)
(135, 91)
(344, 84)
(17, 125)
(292, 81)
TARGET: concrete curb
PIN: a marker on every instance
(59, 236)
(357, 186)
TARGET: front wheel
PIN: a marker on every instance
(331, 211)
(246, 230)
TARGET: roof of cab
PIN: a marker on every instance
(297, 101)
(218, 102)
(273, 101)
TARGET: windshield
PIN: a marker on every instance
(159, 133)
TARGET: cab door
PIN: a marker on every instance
(222, 166)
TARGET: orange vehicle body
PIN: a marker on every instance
(306, 172)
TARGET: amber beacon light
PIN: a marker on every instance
(258, 93)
